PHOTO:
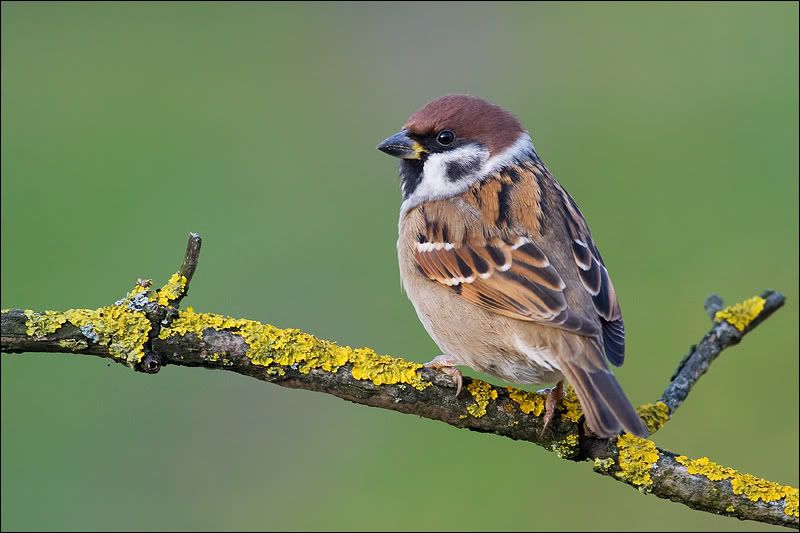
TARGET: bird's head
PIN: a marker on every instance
(453, 142)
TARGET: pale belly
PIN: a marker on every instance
(512, 350)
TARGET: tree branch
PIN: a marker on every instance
(730, 326)
(145, 330)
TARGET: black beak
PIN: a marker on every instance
(402, 146)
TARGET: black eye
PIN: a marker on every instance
(445, 137)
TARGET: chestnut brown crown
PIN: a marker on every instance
(468, 117)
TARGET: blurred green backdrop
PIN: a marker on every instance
(124, 127)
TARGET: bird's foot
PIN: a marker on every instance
(554, 395)
(446, 364)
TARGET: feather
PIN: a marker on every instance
(607, 409)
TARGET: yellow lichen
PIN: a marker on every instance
(190, 322)
(72, 344)
(382, 369)
(172, 290)
(741, 314)
(654, 415)
(637, 456)
(141, 286)
(756, 488)
(565, 447)
(572, 406)
(41, 324)
(276, 371)
(217, 357)
(791, 506)
(123, 330)
(751, 486)
(529, 402)
(482, 392)
(603, 465)
(80, 317)
(269, 346)
(706, 468)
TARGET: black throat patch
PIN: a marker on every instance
(411, 175)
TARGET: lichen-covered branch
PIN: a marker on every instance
(730, 325)
(145, 331)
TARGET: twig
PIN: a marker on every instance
(721, 336)
(189, 264)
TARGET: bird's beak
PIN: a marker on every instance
(402, 146)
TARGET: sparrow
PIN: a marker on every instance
(499, 262)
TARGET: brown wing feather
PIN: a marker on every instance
(514, 279)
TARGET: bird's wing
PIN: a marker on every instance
(514, 279)
(594, 278)
(513, 275)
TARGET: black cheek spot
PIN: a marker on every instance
(457, 170)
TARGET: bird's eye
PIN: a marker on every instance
(445, 137)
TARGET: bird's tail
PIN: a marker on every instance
(605, 406)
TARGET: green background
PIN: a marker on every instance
(124, 127)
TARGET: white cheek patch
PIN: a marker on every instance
(447, 174)
(450, 173)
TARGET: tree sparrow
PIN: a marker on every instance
(499, 263)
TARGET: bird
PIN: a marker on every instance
(499, 262)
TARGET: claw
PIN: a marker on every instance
(554, 395)
(457, 377)
(451, 371)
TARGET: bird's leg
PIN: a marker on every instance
(447, 364)
(554, 395)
